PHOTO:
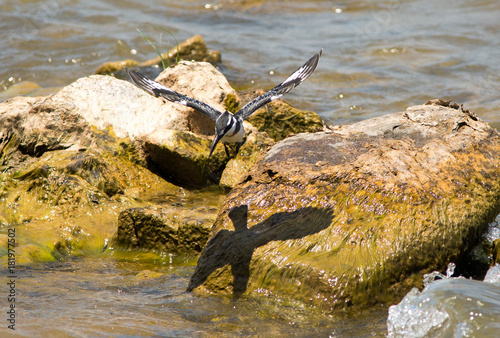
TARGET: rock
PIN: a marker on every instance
(106, 102)
(275, 121)
(495, 252)
(178, 155)
(20, 88)
(202, 81)
(193, 49)
(145, 275)
(173, 230)
(63, 183)
(33, 125)
(280, 120)
(235, 170)
(113, 66)
(169, 144)
(357, 216)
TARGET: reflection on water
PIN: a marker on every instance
(144, 295)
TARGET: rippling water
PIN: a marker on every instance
(379, 57)
(107, 296)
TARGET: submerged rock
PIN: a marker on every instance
(357, 215)
(20, 88)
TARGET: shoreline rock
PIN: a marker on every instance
(407, 193)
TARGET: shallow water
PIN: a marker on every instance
(379, 57)
(105, 296)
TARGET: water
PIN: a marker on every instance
(105, 296)
(450, 307)
(379, 57)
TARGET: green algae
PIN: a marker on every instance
(66, 203)
(280, 120)
(231, 103)
(323, 272)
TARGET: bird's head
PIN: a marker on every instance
(223, 125)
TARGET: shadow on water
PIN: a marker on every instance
(236, 247)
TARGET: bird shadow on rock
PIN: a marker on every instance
(236, 247)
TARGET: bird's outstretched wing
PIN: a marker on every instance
(293, 81)
(156, 89)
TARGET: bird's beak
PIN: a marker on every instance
(216, 140)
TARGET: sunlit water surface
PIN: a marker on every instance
(379, 57)
(109, 296)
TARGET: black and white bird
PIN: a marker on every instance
(228, 127)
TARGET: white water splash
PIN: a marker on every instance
(449, 306)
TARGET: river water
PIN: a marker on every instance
(379, 57)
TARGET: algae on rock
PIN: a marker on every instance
(280, 120)
(64, 183)
(193, 49)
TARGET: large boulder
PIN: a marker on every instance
(63, 184)
(175, 140)
(202, 81)
(357, 215)
(105, 101)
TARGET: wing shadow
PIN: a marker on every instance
(236, 247)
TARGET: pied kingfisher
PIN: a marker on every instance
(228, 127)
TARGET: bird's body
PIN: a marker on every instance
(235, 129)
(228, 127)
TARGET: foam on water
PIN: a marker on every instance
(456, 307)
(449, 306)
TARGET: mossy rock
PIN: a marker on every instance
(163, 230)
(192, 49)
(357, 216)
(280, 120)
(113, 66)
(236, 169)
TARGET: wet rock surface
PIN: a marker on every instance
(164, 229)
(72, 162)
(396, 197)
(63, 182)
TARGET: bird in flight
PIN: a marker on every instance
(228, 127)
